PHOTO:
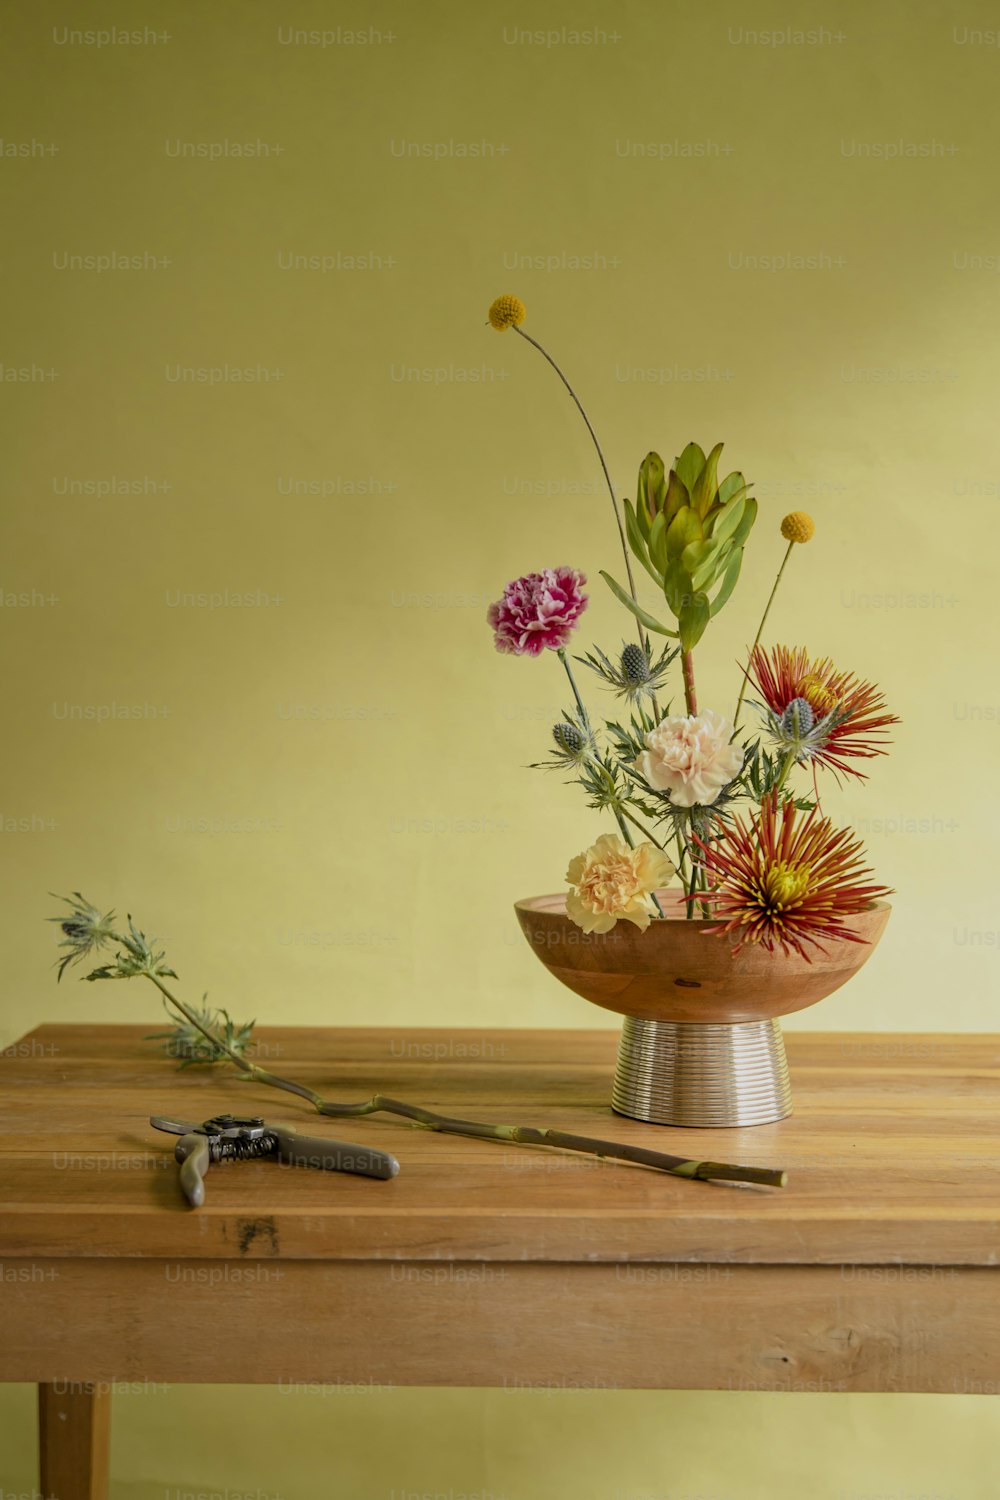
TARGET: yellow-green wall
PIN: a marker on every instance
(360, 733)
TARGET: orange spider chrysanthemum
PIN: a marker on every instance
(786, 881)
(858, 721)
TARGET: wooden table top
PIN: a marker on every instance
(893, 1154)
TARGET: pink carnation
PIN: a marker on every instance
(538, 612)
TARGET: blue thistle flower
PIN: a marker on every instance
(635, 665)
(568, 738)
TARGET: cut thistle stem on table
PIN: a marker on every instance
(87, 931)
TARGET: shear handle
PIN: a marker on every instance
(333, 1156)
(194, 1154)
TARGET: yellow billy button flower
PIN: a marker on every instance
(797, 526)
(610, 881)
(506, 312)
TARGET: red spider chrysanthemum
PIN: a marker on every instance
(787, 880)
(786, 673)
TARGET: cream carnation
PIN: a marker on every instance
(609, 880)
(690, 759)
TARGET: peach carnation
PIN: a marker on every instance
(691, 759)
(609, 881)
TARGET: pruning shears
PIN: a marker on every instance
(230, 1137)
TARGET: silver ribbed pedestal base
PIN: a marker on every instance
(689, 1073)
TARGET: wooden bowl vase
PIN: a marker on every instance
(701, 1044)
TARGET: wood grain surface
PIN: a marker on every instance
(893, 1155)
(74, 1439)
(876, 1269)
(138, 1324)
(677, 971)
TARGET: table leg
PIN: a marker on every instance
(74, 1430)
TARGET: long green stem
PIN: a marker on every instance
(607, 476)
(692, 888)
(643, 637)
(702, 885)
(250, 1069)
(681, 856)
(642, 827)
(787, 765)
(527, 1135)
(561, 653)
(619, 819)
(760, 632)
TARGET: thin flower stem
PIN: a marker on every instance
(681, 856)
(760, 632)
(530, 1135)
(692, 888)
(525, 1135)
(703, 886)
(620, 816)
(561, 653)
(250, 1070)
(787, 765)
(607, 477)
(642, 827)
(689, 881)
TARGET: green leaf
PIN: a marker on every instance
(705, 561)
(731, 486)
(658, 543)
(634, 532)
(641, 528)
(703, 493)
(652, 489)
(677, 495)
(630, 604)
(637, 542)
(683, 529)
(696, 554)
(677, 586)
(694, 618)
(689, 466)
(745, 526)
(729, 579)
(187, 1042)
(727, 519)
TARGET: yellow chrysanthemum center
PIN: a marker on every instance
(815, 691)
(785, 884)
(506, 312)
(797, 526)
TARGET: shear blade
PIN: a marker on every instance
(175, 1127)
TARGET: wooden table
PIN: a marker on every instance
(876, 1269)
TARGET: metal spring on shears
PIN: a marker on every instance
(228, 1149)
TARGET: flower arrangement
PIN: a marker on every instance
(695, 796)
